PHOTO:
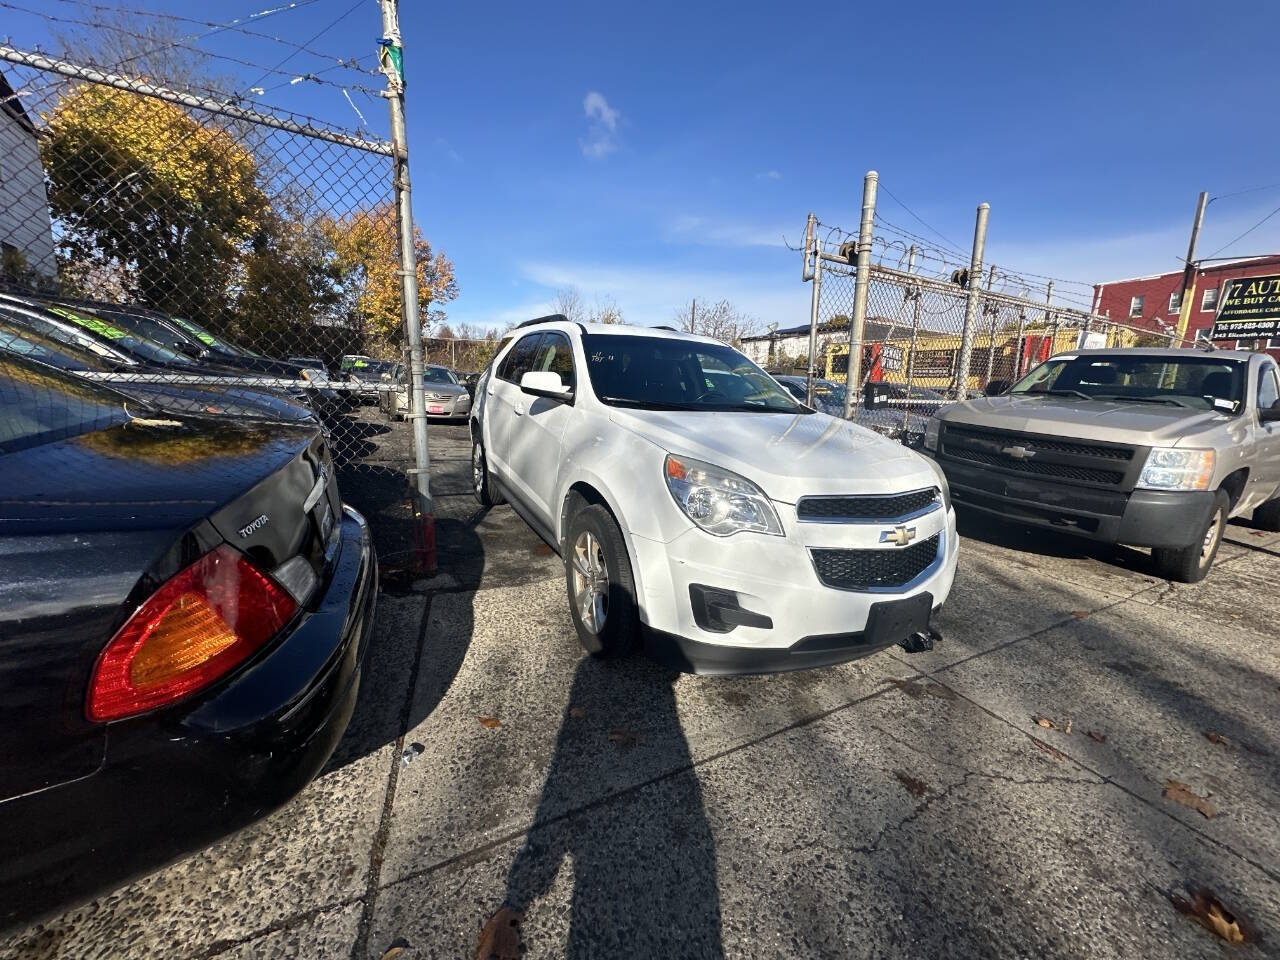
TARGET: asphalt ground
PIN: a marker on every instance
(1005, 795)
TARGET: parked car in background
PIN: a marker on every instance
(444, 396)
(120, 373)
(311, 363)
(1144, 447)
(366, 375)
(689, 493)
(887, 408)
(184, 604)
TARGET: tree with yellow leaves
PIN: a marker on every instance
(366, 254)
(146, 193)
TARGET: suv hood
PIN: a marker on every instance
(1143, 424)
(787, 456)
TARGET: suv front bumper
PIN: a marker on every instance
(810, 624)
(1141, 518)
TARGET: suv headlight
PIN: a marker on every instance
(720, 502)
(931, 431)
(1173, 468)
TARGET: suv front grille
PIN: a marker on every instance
(869, 508)
(875, 569)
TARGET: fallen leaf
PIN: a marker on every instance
(489, 722)
(1096, 736)
(623, 739)
(1079, 614)
(914, 787)
(1257, 533)
(1044, 722)
(1068, 729)
(577, 713)
(1212, 914)
(500, 938)
(1048, 749)
(1179, 792)
(398, 946)
(1218, 738)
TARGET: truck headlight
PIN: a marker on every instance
(720, 502)
(1173, 468)
(931, 431)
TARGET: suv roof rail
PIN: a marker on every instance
(663, 326)
(547, 319)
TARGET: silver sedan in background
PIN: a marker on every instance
(445, 397)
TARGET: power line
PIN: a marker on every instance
(955, 247)
(306, 43)
(1241, 193)
(1245, 234)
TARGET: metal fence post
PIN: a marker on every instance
(994, 309)
(424, 511)
(971, 307)
(914, 294)
(853, 376)
(813, 246)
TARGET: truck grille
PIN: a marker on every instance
(1100, 464)
(873, 508)
(873, 569)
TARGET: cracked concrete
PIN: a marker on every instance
(899, 806)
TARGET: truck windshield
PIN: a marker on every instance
(1197, 381)
(665, 373)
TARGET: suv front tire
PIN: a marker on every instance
(602, 588)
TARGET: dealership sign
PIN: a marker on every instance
(1249, 309)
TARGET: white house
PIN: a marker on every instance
(26, 232)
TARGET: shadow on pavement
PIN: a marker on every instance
(644, 885)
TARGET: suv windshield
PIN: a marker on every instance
(665, 373)
(1198, 381)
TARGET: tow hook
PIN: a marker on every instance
(922, 641)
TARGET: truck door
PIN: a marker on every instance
(1265, 477)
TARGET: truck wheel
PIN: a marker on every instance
(1267, 516)
(601, 587)
(482, 485)
(1190, 564)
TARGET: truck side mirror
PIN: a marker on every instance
(996, 388)
(1270, 414)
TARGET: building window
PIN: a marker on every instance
(1135, 306)
(1253, 344)
(1210, 299)
(1175, 301)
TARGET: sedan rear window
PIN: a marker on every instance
(42, 405)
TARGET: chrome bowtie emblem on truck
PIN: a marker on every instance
(899, 535)
(250, 529)
(1018, 453)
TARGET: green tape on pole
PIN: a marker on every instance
(391, 52)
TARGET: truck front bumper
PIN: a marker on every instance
(1141, 518)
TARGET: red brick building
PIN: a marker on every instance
(1154, 303)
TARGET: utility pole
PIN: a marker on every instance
(812, 246)
(971, 308)
(857, 323)
(994, 310)
(913, 292)
(1189, 271)
(391, 59)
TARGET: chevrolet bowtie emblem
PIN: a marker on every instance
(899, 535)
(1018, 452)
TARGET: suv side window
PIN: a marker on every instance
(556, 355)
(1268, 388)
(520, 360)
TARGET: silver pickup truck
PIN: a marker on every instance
(1151, 448)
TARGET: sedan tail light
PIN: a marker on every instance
(202, 623)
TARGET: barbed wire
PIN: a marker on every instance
(292, 78)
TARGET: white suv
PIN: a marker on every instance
(691, 494)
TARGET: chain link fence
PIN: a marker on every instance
(204, 256)
(916, 323)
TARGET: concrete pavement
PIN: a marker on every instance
(897, 806)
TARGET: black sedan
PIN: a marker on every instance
(184, 607)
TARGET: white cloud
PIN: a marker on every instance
(602, 126)
(769, 175)
(706, 232)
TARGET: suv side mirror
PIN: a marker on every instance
(995, 388)
(1271, 414)
(546, 383)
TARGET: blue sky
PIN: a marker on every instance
(655, 152)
